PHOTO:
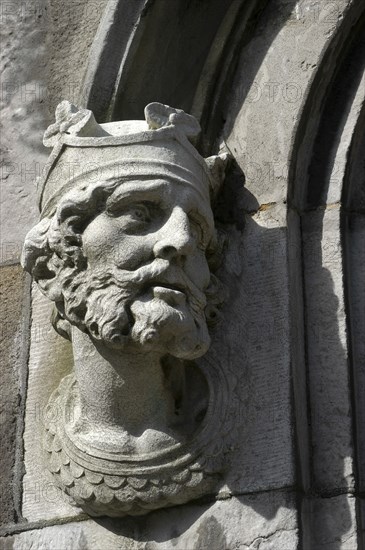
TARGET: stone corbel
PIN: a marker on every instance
(123, 249)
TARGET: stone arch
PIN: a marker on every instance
(325, 189)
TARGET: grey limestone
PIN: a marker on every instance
(275, 72)
(297, 346)
(72, 26)
(354, 271)
(50, 359)
(264, 520)
(13, 349)
(6, 543)
(23, 116)
(328, 376)
(44, 47)
(267, 521)
(330, 523)
(343, 144)
(259, 430)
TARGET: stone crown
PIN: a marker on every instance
(159, 147)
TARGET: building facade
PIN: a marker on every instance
(278, 85)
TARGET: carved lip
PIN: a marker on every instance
(182, 285)
(175, 287)
(170, 294)
(178, 288)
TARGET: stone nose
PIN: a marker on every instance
(175, 237)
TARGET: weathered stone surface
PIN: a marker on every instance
(72, 27)
(24, 116)
(361, 520)
(44, 47)
(85, 535)
(354, 277)
(330, 523)
(275, 72)
(328, 376)
(253, 349)
(297, 346)
(50, 358)
(266, 521)
(7, 543)
(13, 350)
(339, 164)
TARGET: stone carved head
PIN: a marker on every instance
(127, 230)
(124, 249)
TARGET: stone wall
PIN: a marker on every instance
(282, 83)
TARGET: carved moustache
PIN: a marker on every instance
(160, 272)
(105, 296)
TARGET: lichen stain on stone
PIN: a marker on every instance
(211, 535)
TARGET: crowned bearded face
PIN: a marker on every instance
(126, 263)
(122, 246)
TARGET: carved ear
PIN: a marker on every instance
(217, 166)
(37, 259)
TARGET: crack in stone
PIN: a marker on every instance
(263, 538)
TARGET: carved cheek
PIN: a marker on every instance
(105, 241)
(196, 267)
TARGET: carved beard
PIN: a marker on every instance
(166, 322)
(111, 307)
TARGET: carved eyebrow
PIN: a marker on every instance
(138, 190)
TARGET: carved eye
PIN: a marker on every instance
(140, 212)
(134, 212)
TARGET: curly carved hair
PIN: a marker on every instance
(53, 254)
